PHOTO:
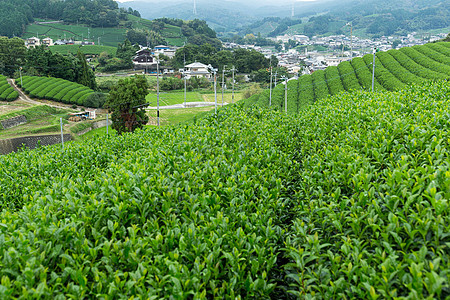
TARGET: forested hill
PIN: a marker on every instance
(369, 17)
(16, 14)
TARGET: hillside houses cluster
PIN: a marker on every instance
(36, 42)
(146, 60)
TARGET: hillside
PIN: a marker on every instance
(344, 200)
(369, 18)
(394, 70)
(110, 36)
(101, 22)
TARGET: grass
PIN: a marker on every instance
(168, 117)
(172, 98)
(177, 97)
(31, 113)
(36, 126)
(177, 116)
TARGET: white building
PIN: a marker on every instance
(47, 41)
(197, 70)
(33, 42)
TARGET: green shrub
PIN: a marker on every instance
(320, 85)
(94, 100)
(348, 76)
(333, 80)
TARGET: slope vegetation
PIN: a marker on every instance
(344, 200)
(394, 70)
(7, 92)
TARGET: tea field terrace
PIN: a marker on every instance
(347, 199)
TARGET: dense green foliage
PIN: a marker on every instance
(126, 101)
(12, 55)
(15, 14)
(7, 92)
(344, 200)
(394, 70)
(41, 61)
(56, 89)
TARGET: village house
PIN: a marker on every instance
(165, 50)
(47, 41)
(197, 70)
(32, 42)
(144, 60)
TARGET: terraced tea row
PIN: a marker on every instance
(344, 200)
(394, 70)
(56, 89)
(7, 92)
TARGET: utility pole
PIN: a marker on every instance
(62, 134)
(285, 92)
(20, 71)
(215, 86)
(157, 90)
(232, 95)
(270, 88)
(185, 83)
(223, 81)
(373, 68)
(276, 73)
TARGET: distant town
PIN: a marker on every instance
(307, 56)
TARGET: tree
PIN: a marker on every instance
(126, 103)
(12, 52)
(85, 74)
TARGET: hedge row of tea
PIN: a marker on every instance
(7, 92)
(394, 70)
(347, 200)
(56, 89)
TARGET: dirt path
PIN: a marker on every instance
(24, 97)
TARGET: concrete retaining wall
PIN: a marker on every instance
(13, 122)
(101, 124)
(31, 142)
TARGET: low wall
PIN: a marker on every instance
(13, 122)
(101, 124)
(31, 142)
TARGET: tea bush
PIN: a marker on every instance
(55, 89)
(347, 199)
(7, 92)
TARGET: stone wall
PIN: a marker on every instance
(31, 142)
(13, 122)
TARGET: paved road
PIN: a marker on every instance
(25, 98)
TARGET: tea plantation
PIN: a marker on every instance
(7, 92)
(56, 89)
(348, 199)
(394, 70)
